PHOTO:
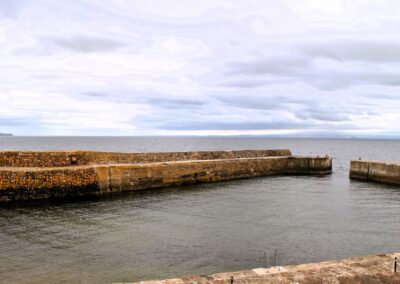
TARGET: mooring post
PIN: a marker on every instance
(395, 265)
(231, 279)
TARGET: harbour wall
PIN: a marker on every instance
(374, 269)
(383, 172)
(68, 158)
(27, 183)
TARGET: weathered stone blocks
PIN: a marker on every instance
(43, 183)
(25, 183)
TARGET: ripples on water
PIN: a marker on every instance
(204, 228)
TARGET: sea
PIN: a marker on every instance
(201, 229)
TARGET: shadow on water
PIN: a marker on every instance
(160, 193)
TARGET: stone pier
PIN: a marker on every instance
(43, 175)
(375, 269)
(383, 172)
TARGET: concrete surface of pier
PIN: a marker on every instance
(376, 269)
(384, 172)
(42, 175)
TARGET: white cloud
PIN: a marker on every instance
(199, 67)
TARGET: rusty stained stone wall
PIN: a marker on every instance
(63, 158)
(383, 172)
(34, 159)
(36, 183)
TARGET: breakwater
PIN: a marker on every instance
(368, 269)
(43, 175)
(383, 172)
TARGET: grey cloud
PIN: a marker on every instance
(264, 102)
(174, 103)
(331, 80)
(247, 83)
(326, 115)
(87, 44)
(274, 66)
(96, 94)
(324, 123)
(262, 74)
(383, 96)
(355, 50)
(207, 125)
(298, 63)
(157, 100)
(303, 108)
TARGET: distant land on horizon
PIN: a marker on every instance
(6, 134)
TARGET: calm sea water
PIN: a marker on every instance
(201, 229)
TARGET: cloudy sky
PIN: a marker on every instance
(180, 67)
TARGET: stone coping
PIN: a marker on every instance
(374, 269)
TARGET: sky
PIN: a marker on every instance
(209, 67)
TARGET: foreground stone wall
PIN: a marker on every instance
(376, 269)
(38, 183)
(375, 171)
(68, 158)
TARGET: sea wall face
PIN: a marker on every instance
(68, 158)
(359, 170)
(41, 183)
(30, 183)
(154, 175)
(375, 171)
(309, 165)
